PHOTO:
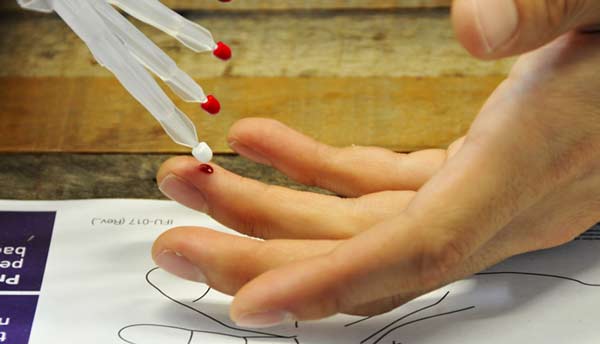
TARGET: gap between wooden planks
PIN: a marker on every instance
(87, 114)
(284, 4)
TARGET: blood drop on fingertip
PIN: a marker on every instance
(211, 105)
(206, 168)
(223, 51)
(202, 153)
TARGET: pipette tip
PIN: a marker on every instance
(211, 105)
(223, 51)
(202, 153)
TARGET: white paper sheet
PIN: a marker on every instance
(100, 286)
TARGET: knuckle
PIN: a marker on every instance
(252, 228)
(250, 220)
(322, 160)
(438, 258)
(575, 158)
(566, 146)
(555, 12)
(327, 303)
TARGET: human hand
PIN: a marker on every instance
(492, 29)
(125, 51)
(526, 177)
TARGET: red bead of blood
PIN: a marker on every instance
(222, 51)
(211, 105)
(225, 0)
(206, 169)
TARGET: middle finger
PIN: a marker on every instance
(267, 211)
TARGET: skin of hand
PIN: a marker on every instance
(526, 177)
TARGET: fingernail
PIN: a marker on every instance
(183, 192)
(264, 319)
(178, 265)
(249, 153)
(497, 21)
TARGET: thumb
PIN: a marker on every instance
(498, 28)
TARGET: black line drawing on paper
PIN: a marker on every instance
(388, 332)
(535, 274)
(245, 334)
(391, 327)
(383, 334)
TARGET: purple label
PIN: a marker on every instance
(24, 243)
(16, 318)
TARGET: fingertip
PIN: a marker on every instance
(217, 255)
(238, 131)
(468, 30)
(259, 138)
(181, 251)
(169, 240)
(248, 130)
(303, 290)
(190, 183)
(253, 299)
(173, 164)
(205, 247)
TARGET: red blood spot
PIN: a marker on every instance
(211, 105)
(222, 51)
(225, 0)
(206, 169)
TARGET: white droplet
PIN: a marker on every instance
(202, 152)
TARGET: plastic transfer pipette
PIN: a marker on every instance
(124, 50)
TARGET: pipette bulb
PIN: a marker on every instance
(223, 51)
(211, 105)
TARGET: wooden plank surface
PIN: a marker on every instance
(394, 79)
(271, 5)
(96, 115)
(287, 45)
(82, 176)
(305, 4)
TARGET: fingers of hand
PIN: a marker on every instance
(265, 211)
(362, 275)
(227, 262)
(351, 171)
(499, 28)
(555, 220)
(431, 243)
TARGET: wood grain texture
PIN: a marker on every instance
(396, 79)
(97, 115)
(289, 45)
(305, 4)
(274, 5)
(82, 176)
